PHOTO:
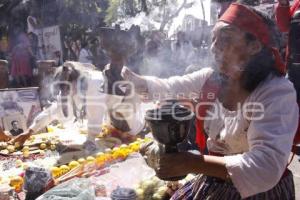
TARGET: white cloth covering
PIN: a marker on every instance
(257, 151)
(97, 105)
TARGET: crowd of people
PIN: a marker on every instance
(157, 56)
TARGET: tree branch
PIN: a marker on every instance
(167, 18)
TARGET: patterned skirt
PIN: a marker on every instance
(205, 187)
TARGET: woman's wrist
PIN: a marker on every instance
(194, 163)
(208, 165)
(139, 82)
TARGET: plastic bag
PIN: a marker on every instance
(36, 179)
(75, 189)
(125, 174)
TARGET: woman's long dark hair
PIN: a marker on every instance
(262, 64)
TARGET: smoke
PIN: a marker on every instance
(166, 52)
(146, 23)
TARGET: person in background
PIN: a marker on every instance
(85, 55)
(248, 149)
(284, 14)
(58, 58)
(183, 52)
(94, 49)
(21, 69)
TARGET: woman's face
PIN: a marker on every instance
(230, 49)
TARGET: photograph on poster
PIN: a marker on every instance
(14, 124)
(18, 107)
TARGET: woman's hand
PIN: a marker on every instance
(21, 139)
(175, 164)
(168, 164)
(145, 147)
(138, 81)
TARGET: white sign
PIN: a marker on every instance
(49, 43)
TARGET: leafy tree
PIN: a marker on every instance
(87, 13)
(119, 9)
(159, 11)
(170, 10)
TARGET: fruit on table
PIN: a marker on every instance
(53, 147)
(153, 188)
(43, 146)
(55, 172)
(10, 148)
(25, 166)
(116, 149)
(81, 160)
(123, 146)
(64, 169)
(116, 155)
(17, 145)
(18, 163)
(26, 154)
(107, 151)
(101, 158)
(73, 164)
(108, 155)
(90, 159)
(3, 145)
(100, 154)
(50, 129)
(134, 147)
(25, 148)
(16, 182)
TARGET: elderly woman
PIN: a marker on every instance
(251, 137)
